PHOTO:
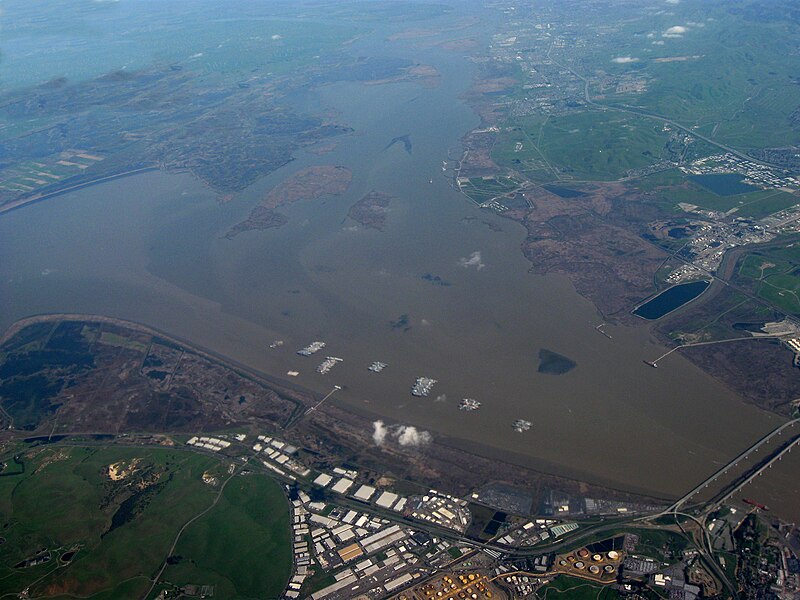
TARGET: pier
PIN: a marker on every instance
(768, 336)
(318, 404)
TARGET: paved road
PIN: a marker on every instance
(757, 472)
(656, 117)
(704, 484)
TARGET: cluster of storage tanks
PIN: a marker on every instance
(598, 564)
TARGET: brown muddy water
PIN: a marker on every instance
(151, 248)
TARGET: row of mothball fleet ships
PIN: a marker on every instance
(422, 386)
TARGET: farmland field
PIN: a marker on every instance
(99, 522)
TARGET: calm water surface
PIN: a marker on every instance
(670, 299)
(151, 248)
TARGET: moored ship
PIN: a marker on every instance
(311, 348)
(521, 425)
(327, 364)
(422, 386)
(469, 404)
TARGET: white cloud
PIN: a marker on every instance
(407, 436)
(673, 1)
(621, 60)
(379, 432)
(474, 260)
(277, 36)
(675, 31)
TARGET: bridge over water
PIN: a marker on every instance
(788, 426)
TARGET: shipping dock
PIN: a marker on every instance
(311, 348)
(422, 386)
(327, 364)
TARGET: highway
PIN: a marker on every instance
(705, 547)
(643, 113)
(722, 471)
(758, 471)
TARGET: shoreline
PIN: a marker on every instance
(347, 416)
(27, 201)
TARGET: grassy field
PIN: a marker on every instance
(572, 588)
(517, 148)
(483, 189)
(31, 175)
(582, 145)
(121, 530)
(757, 267)
(726, 74)
(730, 564)
(782, 291)
(601, 146)
(657, 542)
(113, 339)
(769, 202)
(672, 187)
(241, 546)
(774, 275)
(319, 580)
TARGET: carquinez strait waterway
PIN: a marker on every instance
(152, 248)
